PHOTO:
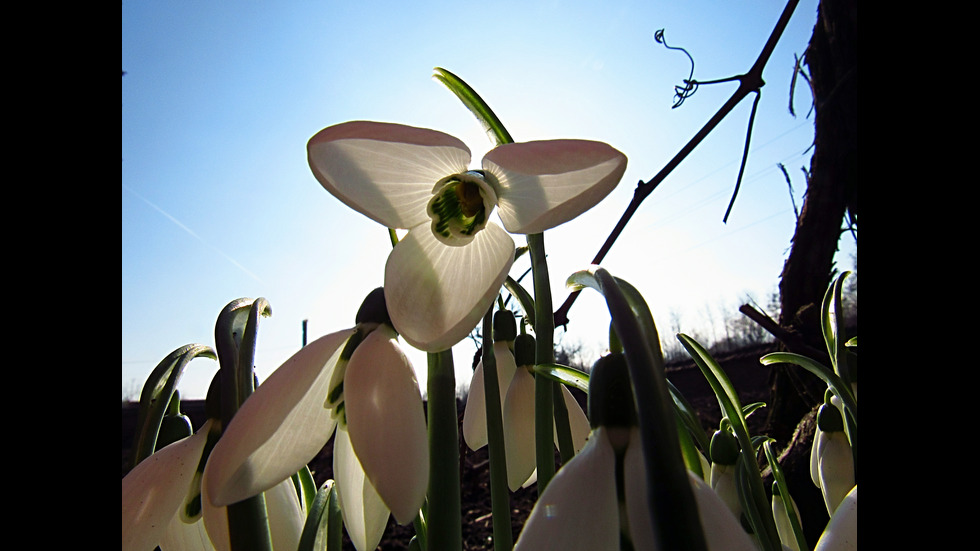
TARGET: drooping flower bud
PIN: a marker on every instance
(611, 394)
(524, 350)
(835, 463)
(504, 326)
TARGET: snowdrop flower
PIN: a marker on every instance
(442, 277)
(516, 385)
(357, 383)
(841, 531)
(581, 508)
(832, 454)
(163, 505)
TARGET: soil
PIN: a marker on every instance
(748, 376)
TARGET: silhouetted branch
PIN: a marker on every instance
(747, 83)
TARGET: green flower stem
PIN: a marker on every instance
(503, 538)
(544, 334)
(445, 519)
(234, 335)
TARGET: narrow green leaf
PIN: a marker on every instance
(494, 128)
(565, 375)
(527, 303)
(780, 480)
(827, 375)
(324, 524)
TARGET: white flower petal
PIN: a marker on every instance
(519, 429)
(841, 531)
(386, 423)
(475, 413)
(835, 466)
(155, 489)
(578, 509)
(577, 421)
(385, 171)
(286, 519)
(547, 183)
(279, 428)
(436, 294)
(722, 531)
(181, 536)
(365, 514)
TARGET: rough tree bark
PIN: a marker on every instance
(831, 58)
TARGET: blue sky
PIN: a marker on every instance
(220, 98)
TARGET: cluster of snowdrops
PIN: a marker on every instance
(637, 472)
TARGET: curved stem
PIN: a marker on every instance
(503, 538)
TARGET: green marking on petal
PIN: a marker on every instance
(459, 207)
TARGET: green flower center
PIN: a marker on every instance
(460, 206)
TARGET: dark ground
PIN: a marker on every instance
(748, 376)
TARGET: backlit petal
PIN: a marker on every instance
(365, 514)
(181, 536)
(841, 531)
(547, 183)
(279, 428)
(286, 518)
(519, 429)
(722, 531)
(577, 421)
(475, 414)
(436, 293)
(578, 508)
(154, 490)
(385, 171)
(386, 423)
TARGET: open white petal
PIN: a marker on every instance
(385, 171)
(475, 414)
(841, 531)
(519, 429)
(181, 536)
(578, 509)
(286, 519)
(437, 293)
(154, 490)
(279, 428)
(386, 423)
(365, 514)
(547, 183)
(722, 531)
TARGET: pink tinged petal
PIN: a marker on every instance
(722, 531)
(365, 514)
(279, 428)
(841, 531)
(385, 171)
(578, 509)
(386, 423)
(436, 294)
(519, 429)
(577, 421)
(155, 489)
(475, 414)
(286, 519)
(544, 184)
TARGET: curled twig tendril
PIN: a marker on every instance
(690, 85)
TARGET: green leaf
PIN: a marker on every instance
(324, 522)
(494, 128)
(780, 480)
(158, 390)
(565, 375)
(826, 374)
(748, 477)
(519, 292)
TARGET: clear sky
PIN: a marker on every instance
(218, 201)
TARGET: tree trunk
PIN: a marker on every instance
(831, 191)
